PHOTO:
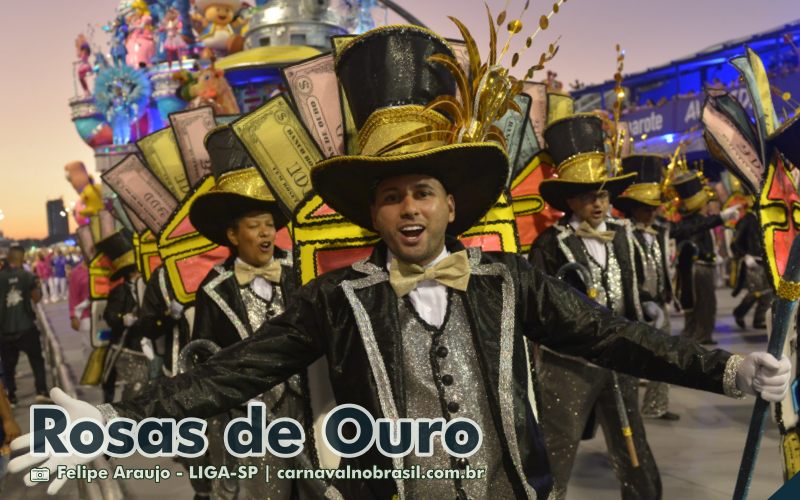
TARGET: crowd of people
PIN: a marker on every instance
(536, 349)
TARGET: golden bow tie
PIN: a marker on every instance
(452, 271)
(245, 273)
(587, 231)
(646, 229)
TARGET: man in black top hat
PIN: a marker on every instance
(640, 204)
(19, 290)
(572, 390)
(696, 256)
(125, 362)
(424, 328)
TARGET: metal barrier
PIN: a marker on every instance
(107, 489)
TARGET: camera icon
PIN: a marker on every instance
(40, 475)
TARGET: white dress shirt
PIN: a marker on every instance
(429, 298)
(259, 285)
(595, 247)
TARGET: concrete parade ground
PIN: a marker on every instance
(698, 456)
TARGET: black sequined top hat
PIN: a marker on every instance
(239, 189)
(577, 146)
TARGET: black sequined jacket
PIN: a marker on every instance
(220, 313)
(558, 245)
(351, 316)
(662, 238)
(155, 320)
(122, 300)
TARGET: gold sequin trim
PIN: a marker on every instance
(789, 290)
(247, 182)
(729, 377)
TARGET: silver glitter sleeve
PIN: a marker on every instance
(108, 412)
(729, 377)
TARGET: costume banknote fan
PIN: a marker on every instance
(762, 157)
(160, 190)
(337, 127)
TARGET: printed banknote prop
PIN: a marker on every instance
(538, 110)
(162, 157)
(141, 191)
(190, 129)
(315, 91)
(283, 150)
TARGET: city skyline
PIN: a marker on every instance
(37, 137)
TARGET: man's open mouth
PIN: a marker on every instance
(412, 232)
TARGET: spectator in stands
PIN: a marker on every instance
(59, 290)
(19, 289)
(44, 272)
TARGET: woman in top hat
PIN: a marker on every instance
(640, 204)
(696, 255)
(423, 327)
(121, 313)
(573, 391)
(237, 297)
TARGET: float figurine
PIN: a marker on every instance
(83, 66)
(174, 44)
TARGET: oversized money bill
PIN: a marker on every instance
(160, 151)
(461, 53)
(138, 224)
(282, 149)
(538, 111)
(141, 191)
(315, 90)
(190, 129)
(512, 124)
(529, 147)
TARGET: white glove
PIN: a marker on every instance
(75, 409)
(175, 309)
(128, 319)
(730, 213)
(655, 313)
(147, 349)
(750, 261)
(760, 373)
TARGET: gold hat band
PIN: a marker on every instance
(697, 200)
(246, 182)
(402, 129)
(126, 259)
(646, 192)
(587, 167)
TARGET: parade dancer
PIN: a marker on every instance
(748, 248)
(696, 256)
(253, 286)
(125, 362)
(640, 204)
(571, 389)
(163, 320)
(425, 327)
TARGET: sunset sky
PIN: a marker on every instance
(37, 49)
